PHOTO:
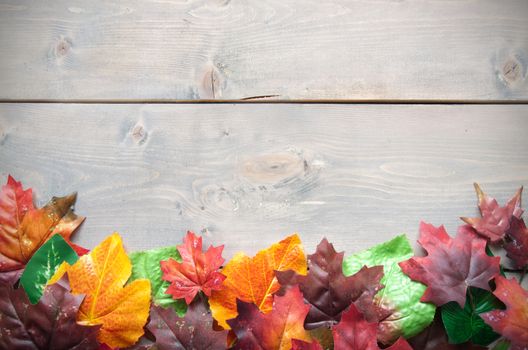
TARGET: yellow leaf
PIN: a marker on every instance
(253, 279)
(101, 275)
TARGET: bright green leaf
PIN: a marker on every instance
(502, 345)
(401, 295)
(464, 325)
(146, 264)
(43, 265)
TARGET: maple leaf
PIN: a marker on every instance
(122, 311)
(328, 291)
(196, 272)
(495, 220)
(517, 244)
(512, 323)
(400, 311)
(50, 324)
(194, 331)
(23, 229)
(452, 265)
(355, 333)
(253, 280)
(302, 345)
(274, 330)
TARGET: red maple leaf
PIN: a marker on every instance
(274, 330)
(495, 220)
(452, 265)
(517, 245)
(197, 272)
(355, 333)
(512, 323)
(302, 345)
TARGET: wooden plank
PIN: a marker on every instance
(223, 49)
(246, 175)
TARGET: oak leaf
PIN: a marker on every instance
(193, 331)
(452, 264)
(121, 310)
(50, 324)
(253, 280)
(328, 291)
(511, 323)
(198, 271)
(495, 220)
(355, 333)
(274, 330)
(23, 228)
(517, 244)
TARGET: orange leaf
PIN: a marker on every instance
(23, 229)
(101, 275)
(253, 279)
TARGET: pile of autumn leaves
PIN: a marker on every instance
(56, 295)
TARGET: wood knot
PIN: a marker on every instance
(139, 134)
(272, 168)
(63, 47)
(512, 72)
(212, 83)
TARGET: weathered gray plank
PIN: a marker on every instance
(301, 49)
(246, 175)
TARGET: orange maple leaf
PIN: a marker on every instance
(253, 280)
(121, 310)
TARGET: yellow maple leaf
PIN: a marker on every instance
(121, 310)
(253, 279)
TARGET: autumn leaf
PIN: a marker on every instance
(253, 280)
(194, 331)
(23, 229)
(327, 290)
(43, 265)
(452, 264)
(512, 323)
(355, 333)
(122, 311)
(465, 324)
(402, 313)
(302, 345)
(146, 264)
(495, 220)
(274, 330)
(517, 244)
(50, 324)
(196, 272)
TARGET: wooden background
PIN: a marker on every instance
(107, 99)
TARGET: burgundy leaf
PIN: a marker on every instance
(517, 245)
(452, 264)
(328, 291)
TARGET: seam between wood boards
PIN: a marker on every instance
(264, 101)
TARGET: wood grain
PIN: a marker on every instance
(246, 175)
(274, 49)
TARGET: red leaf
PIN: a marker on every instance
(302, 345)
(355, 333)
(194, 331)
(495, 220)
(452, 265)
(198, 271)
(274, 330)
(512, 323)
(328, 291)
(517, 246)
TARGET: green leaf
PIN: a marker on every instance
(401, 296)
(43, 265)
(146, 264)
(464, 325)
(502, 345)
